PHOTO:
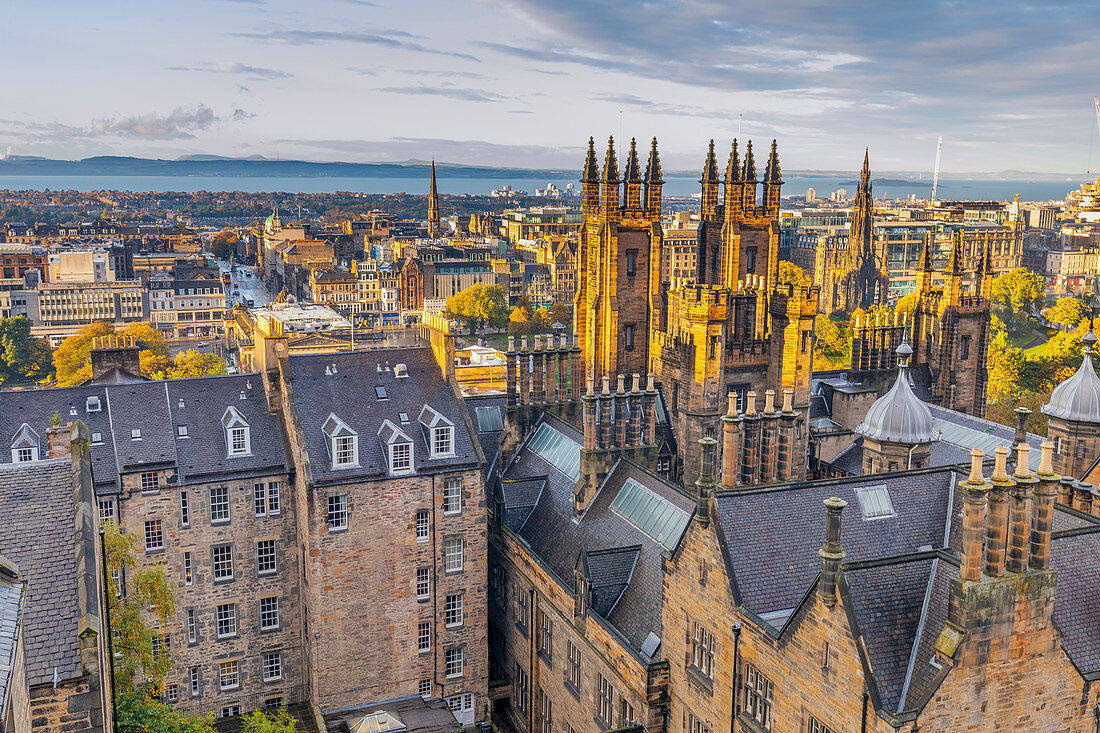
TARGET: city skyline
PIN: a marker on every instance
(486, 82)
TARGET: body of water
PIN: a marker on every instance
(674, 185)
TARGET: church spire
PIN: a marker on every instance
(709, 202)
(591, 172)
(653, 183)
(433, 206)
(773, 180)
(732, 209)
(925, 265)
(772, 174)
(748, 181)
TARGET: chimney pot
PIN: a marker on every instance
(523, 343)
(769, 401)
(788, 399)
(606, 385)
(731, 411)
(635, 383)
(1046, 462)
(622, 384)
(1000, 463)
(831, 552)
(649, 387)
(511, 343)
(1022, 451)
(977, 457)
(591, 388)
(750, 403)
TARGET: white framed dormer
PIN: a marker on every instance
(238, 435)
(25, 446)
(341, 442)
(439, 433)
(398, 448)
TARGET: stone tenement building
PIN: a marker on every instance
(732, 331)
(855, 277)
(323, 523)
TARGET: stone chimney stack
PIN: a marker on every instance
(974, 492)
(649, 421)
(59, 440)
(1042, 510)
(1019, 512)
(996, 518)
(750, 454)
(110, 352)
(732, 444)
(620, 413)
(704, 485)
(606, 435)
(831, 552)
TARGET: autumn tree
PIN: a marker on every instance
(138, 711)
(1067, 312)
(73, 360)
(907, 304)
(224, 245)
(788, 272)
(188, 363)
(1004, 363)
(561, 313)
(519, 320)
(541, 323)
(478, 305)
(833, 346)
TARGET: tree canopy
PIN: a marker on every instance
(269, 721)
(139, 712)
(73, 360)
(478, 305)
(224, 245)
(1017, 291)
(833, 344)
(789, 272)
(22, 356)
(1067, 312)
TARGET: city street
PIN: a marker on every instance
(246, 282)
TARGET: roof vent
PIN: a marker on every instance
(388, 367)
(243, 396)
(400, 371)
(328, 371)
(93, 404)
(378, 367)
(334, 368)
(72, 410)
(181, 402)
(248, 385)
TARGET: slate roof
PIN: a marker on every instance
(899, 608)
(350, 394)
(418, 715)
(11, 597)
(557, 541)
(773, 533)
(1076, 611)
(610, 572)
(154, 409)
(487, 438)
(42, 544)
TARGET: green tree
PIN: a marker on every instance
(188, 363)
(907, 304)
(561, 313)
(1067, 312)
(789, 272)
(275, 721)
(73, 358)
(478, 305)
(224, 244)
(139, 712)
(1017, 291)
(21, 354)
(136, 645)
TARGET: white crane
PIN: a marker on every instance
(936, 172)
(1095, 100)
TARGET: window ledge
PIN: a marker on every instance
(337, 530)
(699, 680)
(750, 725)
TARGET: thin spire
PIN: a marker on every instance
(748, 173)
(710, 168)
(733, 167)
(773, 175)
(653, 167)
(610, 164)
(591, 167)
(954, 263)
(926, 254)
(633, 170)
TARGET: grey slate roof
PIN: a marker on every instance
(557, 541)
(610, 572)
(153, 408)
(11, 604)
(39, 536)
(350, 395)
(900, 608)
(1076, 610)
(773, 533)
(487, 439)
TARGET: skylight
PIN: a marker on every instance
(489, 419)
(380, 392)
(559, 451)
(378, 722)
(874, 502)
(650, 513)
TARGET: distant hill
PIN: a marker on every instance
(259, 167)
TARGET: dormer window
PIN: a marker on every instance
(92, 405)
(439, 432)
(342, 442)
(397, 447)
(238, 438)
(25, 445)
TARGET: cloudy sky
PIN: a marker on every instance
(525, 82)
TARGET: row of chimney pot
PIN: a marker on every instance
(621, 419)
(758, 447)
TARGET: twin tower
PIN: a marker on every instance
(730, 330)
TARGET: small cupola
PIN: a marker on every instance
(899, 416)
(1078, 398)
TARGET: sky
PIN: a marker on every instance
(1008, 85)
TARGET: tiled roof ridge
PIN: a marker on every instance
(794, 485)
(939, 553)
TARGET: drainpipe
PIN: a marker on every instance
(107, 617)
(863, 718)
(736, 673)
